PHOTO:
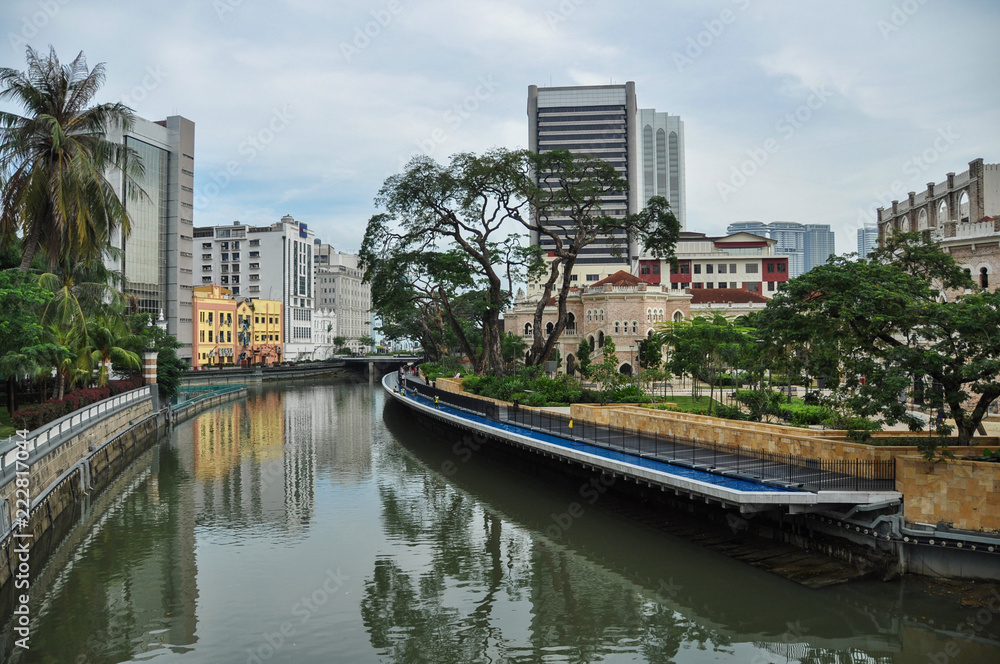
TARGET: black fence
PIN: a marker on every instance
(786, 470)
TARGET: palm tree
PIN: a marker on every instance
(80, 290)
(66, 350)
(108, 337)
(54, 161)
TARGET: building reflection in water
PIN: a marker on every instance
(475, 576)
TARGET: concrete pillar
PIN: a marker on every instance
(149, 375)
(149, 367)
(371, 372)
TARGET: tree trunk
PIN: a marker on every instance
(30, 246)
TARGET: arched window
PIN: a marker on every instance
(625, 369)
(942, 212)
(963, 207)
(660, 316)
(600, 339)
(649, 316)
(922, 220)
(592, 343)
(984, 278)
(616, 327)
(602, 315)
(527, 329)
(590, 315)
(549, 327)
(904, 224)
(649, 335)
(678, 316)
(635, 327)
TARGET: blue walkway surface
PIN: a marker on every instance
(731, 483)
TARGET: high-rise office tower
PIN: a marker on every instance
(662, 173)
(600, 121)
(820, 244)
(867, 240)
(157, 256)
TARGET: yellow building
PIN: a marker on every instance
(228, 331)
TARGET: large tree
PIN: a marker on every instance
(467, 205)
(567, 206)
(883, 323)
(55, 159)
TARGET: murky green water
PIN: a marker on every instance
(315, 524)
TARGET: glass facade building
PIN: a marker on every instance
(145, 249)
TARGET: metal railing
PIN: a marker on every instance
(783, 469)
(51, 435)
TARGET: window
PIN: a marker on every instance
(209, 319)
(708, 268)
(225, 257)
(644, 269)
(206, 257)
(722, 268)
(696, 285)
(782, 268)
(206, 245)
(573, 277)
(209, 336)
(697, 268)
(635, 327)
(770, 268)
(770, 286)
(254, 243)
(685, 269)
(710, 285)
(751, 268)
(656, 268)
(224, 245)
(254, 254)
(732, 268)
(201, 317)
(202, 336)
(616, 327)
(753, 286)
(593, 277)
(254, 266)
(236, 256)
(236, 245)
(984, 278)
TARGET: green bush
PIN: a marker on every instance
(730, 412)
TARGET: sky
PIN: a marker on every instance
(812, 111)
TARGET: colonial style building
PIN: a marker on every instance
(235, 331)
(962, 214)
(622, 307)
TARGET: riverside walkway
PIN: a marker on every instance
(733, 477)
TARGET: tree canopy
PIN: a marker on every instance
(879, 325)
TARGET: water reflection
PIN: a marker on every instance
(125, 580)
(480, 548)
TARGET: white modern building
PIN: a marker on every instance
(662, 174)
(272, 262)
(339, 287)
(324, 332)
(867, 239)
(158, 255)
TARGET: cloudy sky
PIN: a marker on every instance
(812, 111)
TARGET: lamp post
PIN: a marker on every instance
(638, 365)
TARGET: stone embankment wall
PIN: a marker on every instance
(965, 494)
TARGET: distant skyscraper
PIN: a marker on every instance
(662, 174)
(157, 257)
(820, 244)
(806, 245)
(867, 239)
(599, 121)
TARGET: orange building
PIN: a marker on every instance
(228, 331)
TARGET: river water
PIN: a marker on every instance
(316, 523)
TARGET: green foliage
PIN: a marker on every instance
(527, 386)
(583, 358)
(55, 159)
(606, 373)
(872, 325)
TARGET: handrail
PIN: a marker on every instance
(51, 435)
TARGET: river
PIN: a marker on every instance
(316, 523)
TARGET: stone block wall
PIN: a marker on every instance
(965, 494)
(45, 470)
